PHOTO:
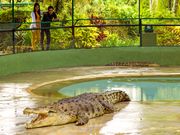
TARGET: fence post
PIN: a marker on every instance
(140, 22)
(73, 33)
(13, 27)
(140, 31)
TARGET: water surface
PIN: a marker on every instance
(139, 89)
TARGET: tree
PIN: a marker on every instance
(175, 6)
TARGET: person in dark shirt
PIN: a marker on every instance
(48, 17)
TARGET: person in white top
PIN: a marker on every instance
(36, 25)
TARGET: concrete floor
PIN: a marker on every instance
(147, 118)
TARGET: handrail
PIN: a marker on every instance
(139, 24)
(15, 4)
(103, 25)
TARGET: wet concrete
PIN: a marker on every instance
(133, 118)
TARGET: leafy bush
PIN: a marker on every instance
(113, 40)
(86, 37)
(19, 18)
(61, 38)
(168, 35)
(105, 12)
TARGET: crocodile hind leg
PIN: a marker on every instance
(108, 108)
(82, 119)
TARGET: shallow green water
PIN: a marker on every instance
(139, 89)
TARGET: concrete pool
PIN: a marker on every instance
(134, 118)
(139, 89)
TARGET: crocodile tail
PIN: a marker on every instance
(115, 96)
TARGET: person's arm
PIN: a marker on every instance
(33, 17)
(55, 17)
(41, 14)
(33, 25)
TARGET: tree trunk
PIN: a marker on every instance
(175, 6)
(170, 4)
(157, 4)
(154, 5)
(150, 5)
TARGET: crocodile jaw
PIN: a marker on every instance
(41, 121)
(46, 117)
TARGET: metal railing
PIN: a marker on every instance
(139, 22)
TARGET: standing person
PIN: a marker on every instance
(48, 17)
(36, 19)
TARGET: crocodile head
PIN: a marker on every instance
(47, 117)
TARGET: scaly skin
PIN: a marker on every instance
(133, 64)
(77, 109)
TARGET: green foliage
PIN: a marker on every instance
(5, 40)
(90, 37)
(63, 8)
(113, 40)
(159, 9)
(86, 37)
(117, 11)
(20, 17)
(23, 38)
(61, 38)
(169, 36)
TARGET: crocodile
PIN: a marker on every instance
(133, 64)
(78, 109)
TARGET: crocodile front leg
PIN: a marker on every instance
(82, 119)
